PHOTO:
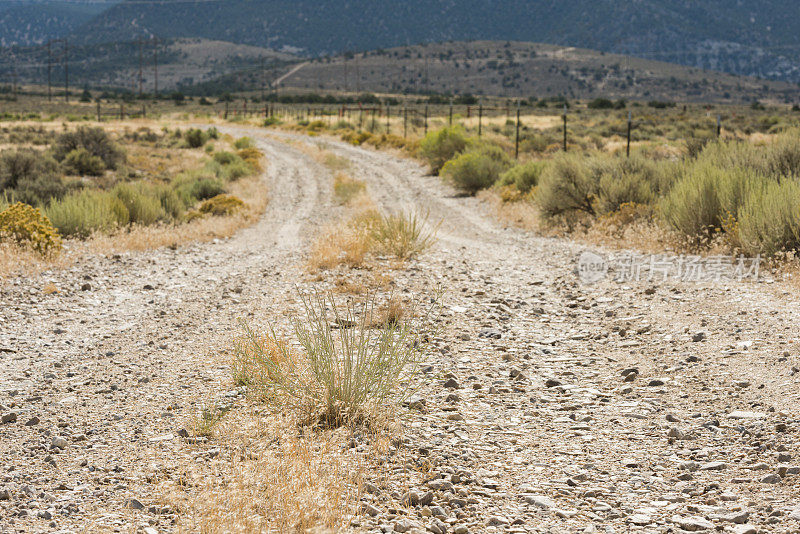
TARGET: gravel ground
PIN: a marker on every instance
(550, 406)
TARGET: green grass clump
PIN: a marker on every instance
(83, 213)
(244, 142)
(769, 221)
(81, 162)
(402, 235)
(524, 176)
(346, 372)
(346, 188)
(142, 202)
(440, 146)
(472, 171)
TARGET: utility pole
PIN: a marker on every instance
(14, 73)
(49, 71)
(358, 77)
(516, 141)
(628, 150)
(263, 81)
(66, 70)
(155, 66)
(141, 67)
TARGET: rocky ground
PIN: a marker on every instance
(549, 405)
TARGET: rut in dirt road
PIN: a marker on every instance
(524, 421)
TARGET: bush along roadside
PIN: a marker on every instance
(738, 193)
(84, 184)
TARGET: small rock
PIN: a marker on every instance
(10, 417)
(746, 415)
(745, 529)
(58, 443)
(133, 504)
(404, 525)
(771, 479)
(452, 383)
(714, 466)
(540, 501)
(692, 523)
(33, 421)
(698, 337)
(460, 529)
(640, 519)
(370, 510)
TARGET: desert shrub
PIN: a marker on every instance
(142, 203)
(94, 140)
(402, 235)
(195, 138)
(244, 142)
(472, 171)
(634, 180)
(568, 184)
(82, 213)
(30, 177)
(42, 189)
(83, 163)
(341, 376)
(271, 121)
(252, 156)
(524, 176)
(29, 228)
(708, 198)
(346, 188)
(222, 205)
(170, 201)
(769, 221)
(237, 169)
(440, 146)
(198, 189)
(19, 165)
(224, 158)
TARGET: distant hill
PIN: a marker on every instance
(748, 37)
(514, 69)
(30, 22)
(116, 65)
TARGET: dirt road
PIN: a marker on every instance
(537, 431)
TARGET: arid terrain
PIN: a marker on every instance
(544, 405)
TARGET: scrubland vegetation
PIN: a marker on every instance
(695, 190)
(87, 182)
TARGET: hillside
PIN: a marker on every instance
(748, 38)
(24, 23)
(518, 70)
(180, 62)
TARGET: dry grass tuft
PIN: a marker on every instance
(355, 363)
(347, 188)
(275, 479)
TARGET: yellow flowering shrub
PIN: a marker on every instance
(221, 205)
(30, 228)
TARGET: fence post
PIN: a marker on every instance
(516, 141)
(628, 152)
(144, 113)
(122, 112)
(360, 117)
(226, 110)
(98, 111)
(405, 122)
(480, 119)
(719, 126)
(388, 115)
(451, 112)
(565, 127)
(426, 119)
